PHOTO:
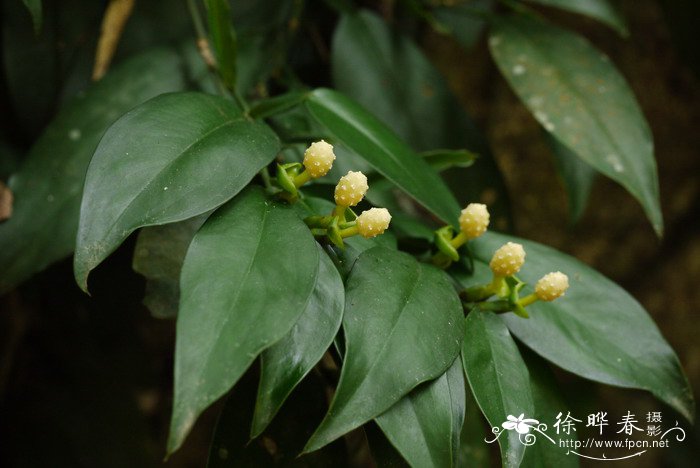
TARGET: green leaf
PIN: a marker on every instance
(34, 7)
(223, 39)
(600, 10)
(504, 382)
(445, 159)
(473, 449)
(579, 96)
(387, 73)
(577, 175)
(174, 157)
(498, 378)
(464, 20)
(597, 330)
(264, 37)
(247, 278)
(548, 403)
(368, 137)
(284, 364)
(276, 105)
(425, 424)
(49, 184)
(158, 256)
(403, 326)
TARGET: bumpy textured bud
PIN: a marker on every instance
(552, 286)
(373, 222)
(508, 259)
(318, 158)
(351, 189)
(474, 220)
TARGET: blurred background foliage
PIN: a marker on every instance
(87, 382)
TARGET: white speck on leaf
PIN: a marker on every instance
(536, 101)
(615, 162)
(165, 188)
(519, 69)
(74, 134)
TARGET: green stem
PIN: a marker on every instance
(459, 240)
(301, 179)
(265, 174)
(240, 101)
(350, 231)
(441, 260)
(529, 299)
(339, 211)
(202, 35)
(499, 307)
(483, 292)
(196, 19)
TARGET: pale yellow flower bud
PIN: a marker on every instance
(508, 259)
(552, 286)
(318, 159)
(373, 222)
(351, 189)
(474, 220)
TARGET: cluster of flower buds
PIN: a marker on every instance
(350, 191)
(505, 264)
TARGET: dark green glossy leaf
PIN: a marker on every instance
(464, 20)
(577, 175)
(498, 378)
(172, 158)
(600, 10)
(402, 326)
(549, 402)
(368, 137)
(34, 7)
(578, 96)
(388, 74)
(49, 184)
(445, 159)
(425, 424)
(276, 105)
(284, 364)
(247, 277)
(223, 39)
(473, 449)
(263, 35)
(597, 330)
(158, 256)
(505, 382)
(407, 226)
